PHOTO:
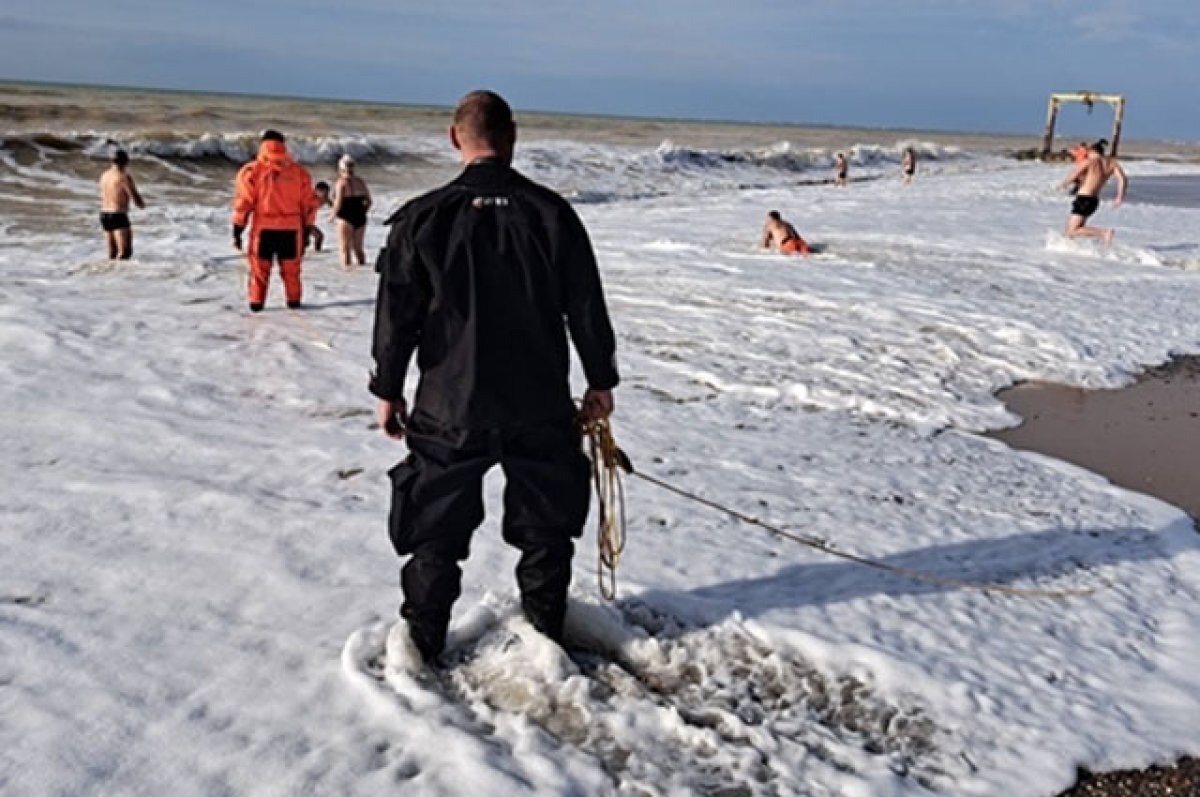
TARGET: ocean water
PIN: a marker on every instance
(186, 147)
(196, 587)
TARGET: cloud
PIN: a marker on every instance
(1165, 29)
(1114, 22)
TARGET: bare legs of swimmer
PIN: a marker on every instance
(350, 240)
(120, 243)
(1077, 228)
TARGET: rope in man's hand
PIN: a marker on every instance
(608, 462)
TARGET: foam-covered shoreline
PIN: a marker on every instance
(199, 582)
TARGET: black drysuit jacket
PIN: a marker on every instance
(482, 278)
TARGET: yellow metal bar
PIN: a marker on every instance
(1089, 96)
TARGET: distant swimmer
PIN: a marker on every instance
(117, 190)
(908, 165)
(840, 171)
(274, 195)
(351, 201)
(782, 236)
(1091, 176)
(321, 197)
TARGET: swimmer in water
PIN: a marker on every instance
(117, 191)
(841, 170)
(321, 198)
(782, 236)
(1091, 175)
(351, 201)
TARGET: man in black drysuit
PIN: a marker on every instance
(482, 278)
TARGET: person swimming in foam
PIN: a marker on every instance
(782, 236)
(351, 201)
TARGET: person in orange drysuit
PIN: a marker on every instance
(274, 194)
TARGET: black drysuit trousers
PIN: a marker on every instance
(437, 503)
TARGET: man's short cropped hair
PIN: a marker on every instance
(774, 214)
(272, 135)
(120, 157)
(484, 116)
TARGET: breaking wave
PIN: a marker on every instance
(784, 157)
(587, 173)
(594, 174)
(241, 147)
(235, 148)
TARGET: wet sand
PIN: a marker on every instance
(1145, 437)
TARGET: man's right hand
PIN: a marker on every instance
(237, 236)
(392, 417)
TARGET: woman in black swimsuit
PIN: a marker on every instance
(351, 200)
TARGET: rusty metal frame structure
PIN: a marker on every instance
(1088, 98)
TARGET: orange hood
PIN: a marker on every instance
(274, 190)
(273, 152)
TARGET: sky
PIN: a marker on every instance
(970, 65)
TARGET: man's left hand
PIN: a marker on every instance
(597, 404)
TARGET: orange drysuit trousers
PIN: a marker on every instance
(267, 246)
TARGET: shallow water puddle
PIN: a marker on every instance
(1145, 436)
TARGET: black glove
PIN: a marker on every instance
(238, 229)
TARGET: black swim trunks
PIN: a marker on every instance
(282, 244)
(1084, 205)
(353, 211)
(111, 222)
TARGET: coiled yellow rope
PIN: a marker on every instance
(608, 462)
